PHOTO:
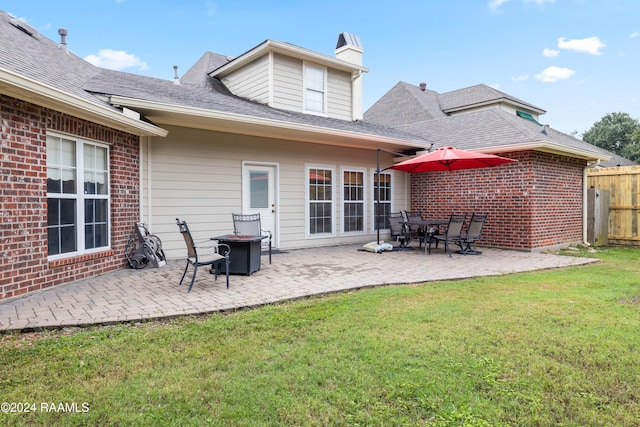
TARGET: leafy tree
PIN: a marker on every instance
(618, 133)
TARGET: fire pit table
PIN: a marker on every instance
(244, 257)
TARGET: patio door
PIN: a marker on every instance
(259, 194)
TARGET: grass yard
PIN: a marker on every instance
(549, 348)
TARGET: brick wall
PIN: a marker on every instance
(534, 203)
(23, 203)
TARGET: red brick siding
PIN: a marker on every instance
(534, 203)
(23, 205)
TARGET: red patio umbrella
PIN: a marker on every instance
(448, 159)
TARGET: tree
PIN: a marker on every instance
(618, 133)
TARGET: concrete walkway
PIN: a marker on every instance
(132, 295)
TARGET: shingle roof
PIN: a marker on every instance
(478, 95)
(408, 108)
(41, 59)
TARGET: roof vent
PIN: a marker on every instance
(545, 129)
(176, 79)
(423, 86)
(24, 27)
(63, 39)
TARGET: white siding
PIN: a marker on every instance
(251, 81)
(287, 83)
(339, 94)
(197, 176)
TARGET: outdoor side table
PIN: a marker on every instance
(244, 257)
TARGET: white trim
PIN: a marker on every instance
(307, 201)
(306, 68)
(547, 147)
(38, 93)
(79, 196)
(373, 197)
(257, 126)
(365, 200)
(275, 241)
(288, 50)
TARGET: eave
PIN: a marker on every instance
(29, 90)
(546, 147)
(219, 121)
(289, 50)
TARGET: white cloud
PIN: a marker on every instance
(551, 53)
(116, 60)
(634, 34)
(553, 74)
(494, 4)
(520, 78)
(590, 45)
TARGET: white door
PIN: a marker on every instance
(259, 195)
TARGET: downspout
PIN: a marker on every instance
(585, 201)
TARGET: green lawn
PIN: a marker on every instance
(549, 348)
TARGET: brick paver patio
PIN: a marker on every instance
(133, 295)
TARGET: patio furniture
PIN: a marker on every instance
(413, 220)
(212, 258)
(453, 233)
(399, 229)
(250, 225)
(474, 233)
(245, 253)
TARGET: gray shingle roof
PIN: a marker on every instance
(41, 59)
(408, 108)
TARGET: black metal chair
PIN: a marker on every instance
(453, 234)
(399, 229)
(474, 233)
(214, 258)
(417, 231)
(250, 225)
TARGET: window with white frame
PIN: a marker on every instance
(320, 200)
(382, 208)
(77, 196)
(315, 83)
(353, 201)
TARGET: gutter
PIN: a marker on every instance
(29, 90)
(547, 147)
(258, 126)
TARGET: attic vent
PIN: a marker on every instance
(345, 39)
(24, 27)
(527, 116)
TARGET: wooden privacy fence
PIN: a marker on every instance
(623, 184)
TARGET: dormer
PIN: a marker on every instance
(292, 78)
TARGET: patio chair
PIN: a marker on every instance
(399, 229)
(453, 234)
(474, 233)
(417, 231)
(213, 258)
(250, 225)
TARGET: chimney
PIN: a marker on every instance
(423, 87)
(63, 39)
(176, 80)
(349, 49)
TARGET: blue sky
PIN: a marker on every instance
(576, 59)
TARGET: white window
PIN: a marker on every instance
(315, 94)
(77, 196)
(382, 208)
(320, 201)
(353, 190)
